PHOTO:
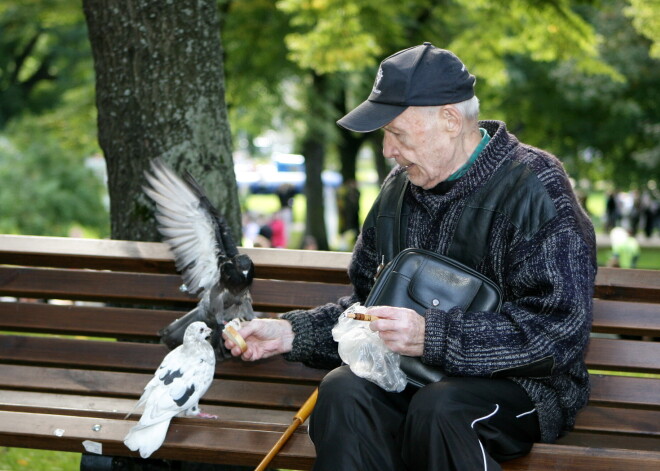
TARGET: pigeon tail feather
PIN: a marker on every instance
(146, 440)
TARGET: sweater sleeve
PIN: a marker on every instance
(543, 326)
(313, 343)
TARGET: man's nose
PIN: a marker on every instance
(389, 150)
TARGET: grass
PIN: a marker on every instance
(24, 459)
(649, 258)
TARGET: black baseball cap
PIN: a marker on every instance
(418, 76)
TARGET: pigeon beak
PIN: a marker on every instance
(245, 272)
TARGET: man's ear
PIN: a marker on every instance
(453, 119)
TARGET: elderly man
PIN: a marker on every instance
(473, 192)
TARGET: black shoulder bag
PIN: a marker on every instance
(420, 279)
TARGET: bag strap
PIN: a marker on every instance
(469, 242)
(391, 218)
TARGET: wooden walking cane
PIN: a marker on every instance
(298, 420)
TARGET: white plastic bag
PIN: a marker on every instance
(366, 354)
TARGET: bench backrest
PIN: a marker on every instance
(108, 299)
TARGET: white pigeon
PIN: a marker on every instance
(204, 252)
(176, 388)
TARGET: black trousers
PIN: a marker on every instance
(458, 424)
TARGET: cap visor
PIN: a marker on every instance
(370, 116)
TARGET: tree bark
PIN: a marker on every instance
(313, 148)
(160, 93)
(380, 162)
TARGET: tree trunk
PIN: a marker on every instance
(313, 148)
(349, 197)
(381, 163)
(160, 93)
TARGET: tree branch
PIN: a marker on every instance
(22, 57)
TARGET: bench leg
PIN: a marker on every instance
(215, 467)
(95, 463)
(121, 463)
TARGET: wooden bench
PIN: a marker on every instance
(72, 367)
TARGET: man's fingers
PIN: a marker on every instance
(383, 312)
(247, 355)
(247, 329)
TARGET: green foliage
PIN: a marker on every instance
(330, 35)
(645, 16)
(576, 77)
(255, 62)
(541, 31)
(339, 35)
(344, 40)
(44, 52)
(44, 188)
(47, 121)
(602, 127)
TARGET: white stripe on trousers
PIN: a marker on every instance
(483, 452)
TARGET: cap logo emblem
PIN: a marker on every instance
(379, 77)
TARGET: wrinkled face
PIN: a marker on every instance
(418, 139)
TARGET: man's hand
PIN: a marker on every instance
(264, 338)
(401, 329)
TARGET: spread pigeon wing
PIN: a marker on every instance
(188, 226)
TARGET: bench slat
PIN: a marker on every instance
(638, 285)
(245, 447)
(282, 296)
(603, 354)
(611, 391)
(85, 320)
(591, 419)
(150, 257)
(151, 288)
(620, 421)
(288, 395)
(619, 317)
(229, 445)
(91, 285)
(117, 408)
(623, 355)
(155, 257)
(608, 440)
(640, 319)
(138, 357)
(565, 457)
(625, 390)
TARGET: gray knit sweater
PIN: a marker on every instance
(546, 275)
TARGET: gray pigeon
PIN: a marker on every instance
(176, 388)
(204, 253)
